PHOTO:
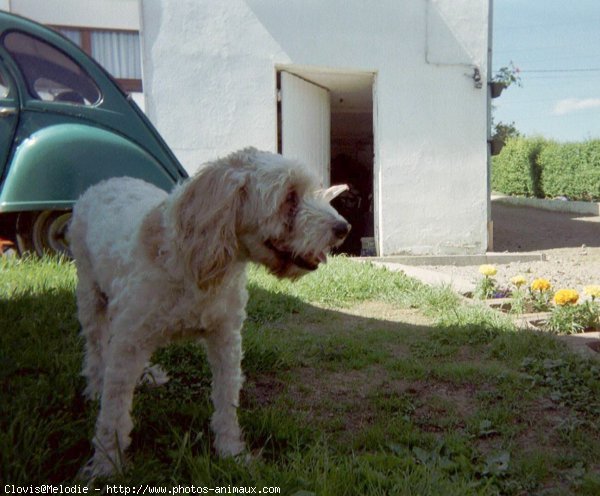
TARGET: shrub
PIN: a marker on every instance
(571, 170)
(515, 170)
(546, 169)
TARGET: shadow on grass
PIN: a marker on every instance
(43, 418)
(45, 425)
(307, 367)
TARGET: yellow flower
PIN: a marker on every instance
(593, 291)
(566, 297)
(541, 285)
(519, 280)
(488, 270)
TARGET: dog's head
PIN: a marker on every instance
(258, 206)
(287, 223)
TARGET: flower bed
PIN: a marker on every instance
(537, 305)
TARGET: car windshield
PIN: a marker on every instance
(49, 73)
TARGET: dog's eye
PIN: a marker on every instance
(292, 199)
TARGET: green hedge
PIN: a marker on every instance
(547, 169)
(571, 170)
(515, 170)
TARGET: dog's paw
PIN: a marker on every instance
(154, 375)
(230, 446)
(95, 468)
(86, 473)
(245, 458)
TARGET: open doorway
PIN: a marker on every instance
(325, 119)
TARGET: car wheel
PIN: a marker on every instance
(43, 232)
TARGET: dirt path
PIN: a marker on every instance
(523, 229)
(570, 242)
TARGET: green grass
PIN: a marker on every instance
(439, 398)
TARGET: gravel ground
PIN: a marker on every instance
(571, 244)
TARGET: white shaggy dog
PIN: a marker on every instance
(156, 267)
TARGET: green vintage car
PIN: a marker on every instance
(64, 125)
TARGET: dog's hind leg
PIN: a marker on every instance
(224, 352)
(92, 312)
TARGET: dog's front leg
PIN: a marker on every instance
(125, 364)
(224, 351)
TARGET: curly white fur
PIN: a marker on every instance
(156, 267)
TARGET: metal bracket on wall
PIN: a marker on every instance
(477, 78)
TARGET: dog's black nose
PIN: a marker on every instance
(341, 229)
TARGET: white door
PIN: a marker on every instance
(305, 124)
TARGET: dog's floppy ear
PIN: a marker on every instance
(206, 216)
(332, 192)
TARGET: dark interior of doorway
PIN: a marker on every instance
(352, 164)
(352, 151)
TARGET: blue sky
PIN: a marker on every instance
(556, 46)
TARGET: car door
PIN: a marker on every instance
(9, 115)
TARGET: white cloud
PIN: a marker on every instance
(569, 105)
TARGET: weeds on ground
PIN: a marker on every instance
(335, 402)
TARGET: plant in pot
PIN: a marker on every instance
(505, 76)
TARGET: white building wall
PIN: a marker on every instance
(210, 87)
(100, 14)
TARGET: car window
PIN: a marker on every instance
(49, 73)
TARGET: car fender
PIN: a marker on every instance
(55, 165)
